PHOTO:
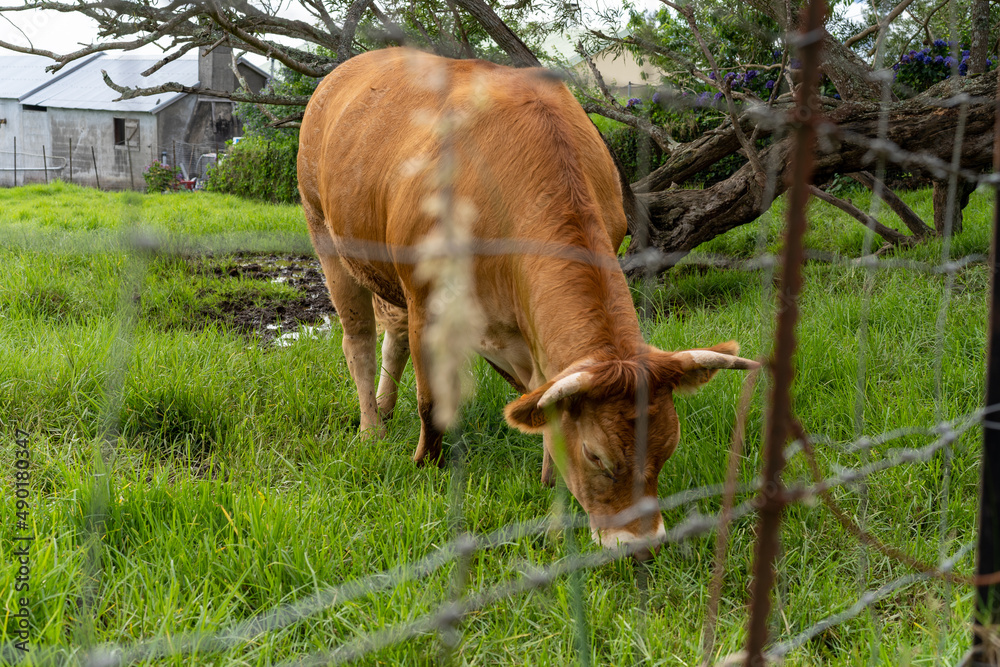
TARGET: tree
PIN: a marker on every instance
(711, 50)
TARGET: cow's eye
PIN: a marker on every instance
(593, 458)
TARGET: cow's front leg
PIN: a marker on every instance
(429, 446)
(548, 469)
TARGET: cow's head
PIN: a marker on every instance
(596, 405)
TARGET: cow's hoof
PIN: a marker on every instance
(373, 433)
(423, 457)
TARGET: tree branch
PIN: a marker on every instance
(887, 233)
(881, 25)
(913, 221)
(520, 54)
(351, 19)
(171, 87)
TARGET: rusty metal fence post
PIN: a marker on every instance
(778, 427)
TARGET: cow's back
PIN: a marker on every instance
(373, 137)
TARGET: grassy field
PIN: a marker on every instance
(237, 482)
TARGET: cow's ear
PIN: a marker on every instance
(525, 414)
(699, 366)
(528, 412)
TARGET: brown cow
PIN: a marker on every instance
(561, 327)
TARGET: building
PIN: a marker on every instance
(622, 73)
(67, 125)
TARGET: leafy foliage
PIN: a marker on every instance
(917, 71)
(258, 168)
(161, 177)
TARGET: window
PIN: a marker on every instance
(127, 132)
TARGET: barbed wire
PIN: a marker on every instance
(695, 524)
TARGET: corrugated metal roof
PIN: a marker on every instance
(85, 87)
(23, 73)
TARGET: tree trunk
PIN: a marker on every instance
(980, 36)
(920, 128)
(962, 192)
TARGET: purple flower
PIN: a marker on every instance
(949, 62)
(895, 68)
(938, 59)
(633, 102)
(718, 96)
(913, 53)
(702, 98)
(836, 96)
(905, 58)
(940, 43)
(751, 74)
(711, 75)
(656, 97)
(770, 84)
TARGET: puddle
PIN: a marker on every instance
(274, 320)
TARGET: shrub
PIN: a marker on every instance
(161, 177)
(917, 71)
(259, 168)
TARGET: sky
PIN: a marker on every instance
(62, 33)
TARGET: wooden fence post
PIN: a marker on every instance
(96, 174)
(70, 160)
(45, 165)
(131, 174)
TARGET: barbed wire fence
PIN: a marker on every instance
(768, 492)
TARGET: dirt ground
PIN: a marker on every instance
(256, 312)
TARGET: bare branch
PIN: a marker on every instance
(881, 25)
(320, 12)
(922, 27)
(887, 233)
(243, 83)
(351, 20)
(913, 222)
(505, 38)
(262, 46)
(171, 87)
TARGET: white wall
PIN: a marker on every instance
(55, 129)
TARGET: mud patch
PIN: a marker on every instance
(245, 298)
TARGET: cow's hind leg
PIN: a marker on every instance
(395, 353)
(357, 318)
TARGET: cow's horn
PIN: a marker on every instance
(695, 359)
(573, 383)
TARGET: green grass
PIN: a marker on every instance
(238, 482)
